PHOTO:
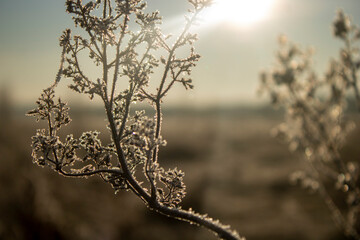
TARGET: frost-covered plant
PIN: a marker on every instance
(127, 44)
(316, 123)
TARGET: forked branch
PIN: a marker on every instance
(135, 139)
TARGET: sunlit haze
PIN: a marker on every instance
(238, 12)
(237, 39)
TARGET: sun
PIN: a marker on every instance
(239, 12)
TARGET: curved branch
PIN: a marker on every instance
(222, 231)
(113, 171)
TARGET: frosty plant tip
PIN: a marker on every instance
(124, 28)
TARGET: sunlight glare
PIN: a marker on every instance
(239, 12)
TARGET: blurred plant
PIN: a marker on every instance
(316, 123)
(124, 28)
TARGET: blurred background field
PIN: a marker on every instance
(235, 171)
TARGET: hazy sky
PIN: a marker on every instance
(232, 55)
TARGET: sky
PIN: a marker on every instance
(233, 54)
